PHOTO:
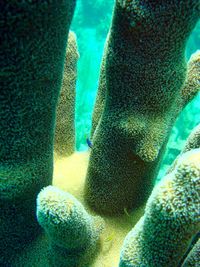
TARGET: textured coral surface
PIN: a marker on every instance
(33, 44)
(69, 175)
(172, 217)
(64, 140)
(147, 84)
(193, 258)
(145, 71)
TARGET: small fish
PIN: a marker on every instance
(89, 143)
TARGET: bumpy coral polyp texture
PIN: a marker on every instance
(171, 218)
(192, 84)
(72, 232)
(193, 140)
(193, 258)
(145, 71)
(64, 143)
(33, 45)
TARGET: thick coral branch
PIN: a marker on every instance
(144, 68)
(33, 44)
(193, 258)
(192, 84)
(172, 217)
(64, 143)
(73, 233)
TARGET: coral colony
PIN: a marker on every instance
(54, 212)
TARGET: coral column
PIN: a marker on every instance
(73, 234)
(33, 44)
(145, 71)
(64, 143)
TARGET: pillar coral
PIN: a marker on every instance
(188, 92)
(172, 217)
(193, 258)
(194, 139)
(145, 72)
(33, 44)
(64, 143)
(174, 203)
(192, 84)
(100, 99)
(73, 233)
(192, 142)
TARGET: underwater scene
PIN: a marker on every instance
(100, 133)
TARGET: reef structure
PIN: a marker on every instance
(193, 257)
(36, 35)
(192, 84)
(100, 99)
(33, 45)
(171, 219)
(73, 233)
(64, 143)
(145, 72)
(193, 140)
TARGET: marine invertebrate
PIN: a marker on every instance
(26, 162)
(193, 257)
(192, 84)
(172, 217)
(145, 71)
(193, 140)
(100, 99)
(73, 233)
(33, 44)
(189, 90)
(64, 143)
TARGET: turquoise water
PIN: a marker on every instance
(91, 24)
(33, 36)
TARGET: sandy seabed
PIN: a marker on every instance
(69, 175)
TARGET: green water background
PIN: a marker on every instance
(91, 24)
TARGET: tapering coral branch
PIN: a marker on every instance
(171, 218)
(73, 233)
(145, 71)
(192, 142)
(192, 84)
(64, 143)
(193, 258)
(33, 44)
